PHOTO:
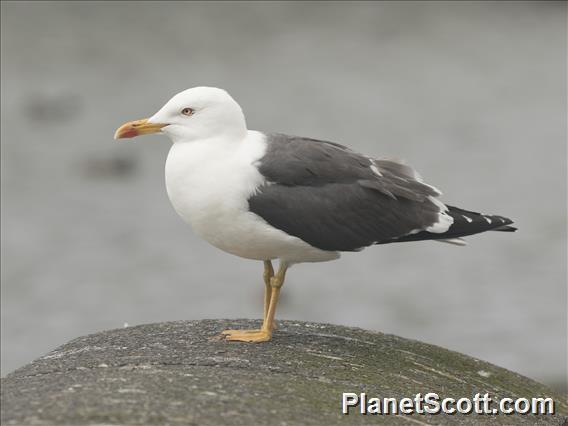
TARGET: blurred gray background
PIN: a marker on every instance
(471, 94)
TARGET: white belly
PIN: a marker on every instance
(209, 183)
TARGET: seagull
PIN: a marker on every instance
(271, 196)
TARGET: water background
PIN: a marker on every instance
(471, 94)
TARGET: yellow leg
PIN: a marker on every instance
(267, 276)
(265, 333)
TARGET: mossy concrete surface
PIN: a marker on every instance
(180, 373)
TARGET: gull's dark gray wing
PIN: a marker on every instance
(336, 199)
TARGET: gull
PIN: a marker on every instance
(271, 196)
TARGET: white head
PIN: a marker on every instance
(197, 113)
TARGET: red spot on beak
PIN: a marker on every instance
(129, 133)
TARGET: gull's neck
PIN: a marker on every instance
(235, 134)
(209, 148)
(214, 154)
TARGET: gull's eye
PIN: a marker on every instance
(187, 111)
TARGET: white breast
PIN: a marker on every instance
(209, 183)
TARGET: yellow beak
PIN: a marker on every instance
(137, 128)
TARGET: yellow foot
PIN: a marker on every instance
(230, 332)
(256, 336)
